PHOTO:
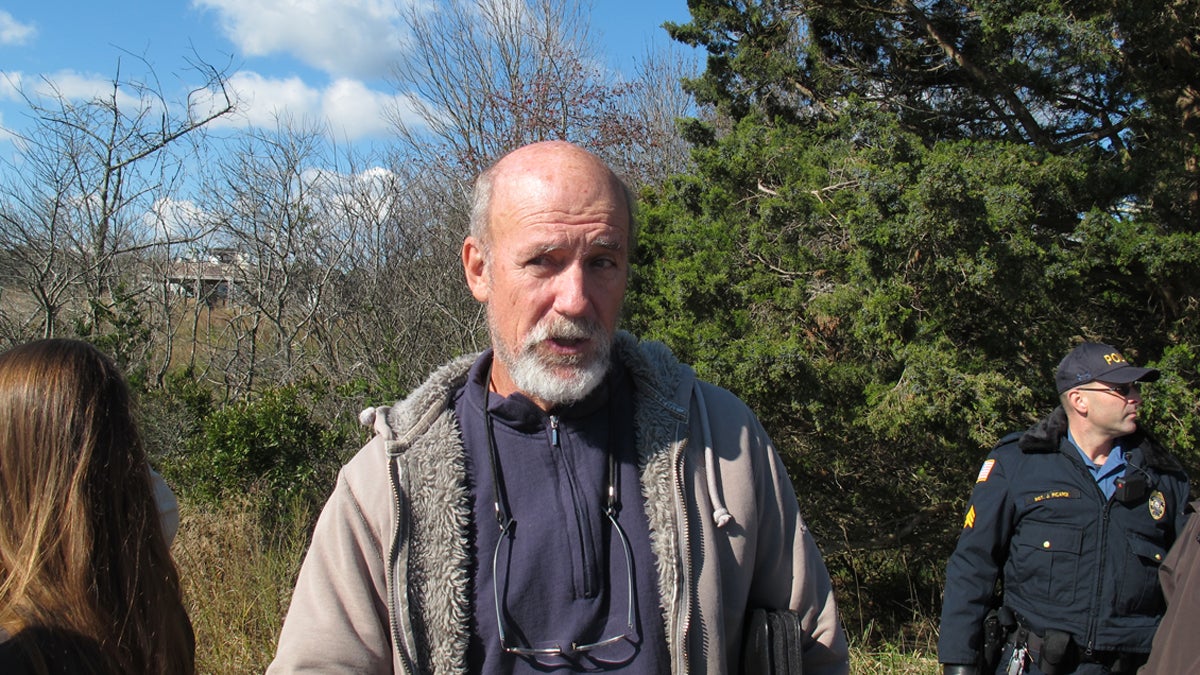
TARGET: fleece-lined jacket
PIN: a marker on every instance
(385, 585)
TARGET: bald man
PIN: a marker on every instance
(570, 499)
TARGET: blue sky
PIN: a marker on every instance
(320, 59)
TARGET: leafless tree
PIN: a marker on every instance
(405, 308)
(71, 203)
(264, 200)
(180, 291)
(486, 76)
(655, 101)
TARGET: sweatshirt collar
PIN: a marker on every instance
(521, 413)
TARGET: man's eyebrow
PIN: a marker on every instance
(543, 249)
(610, 244)
(605, 243)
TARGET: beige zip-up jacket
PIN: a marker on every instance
(384, 587)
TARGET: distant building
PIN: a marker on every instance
(211, 277)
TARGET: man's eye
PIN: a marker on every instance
(542, 262)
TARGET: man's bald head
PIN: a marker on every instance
(543, 162)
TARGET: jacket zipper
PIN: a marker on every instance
(587, 555)
(398, 641)
(683, 613)
(1097, 599)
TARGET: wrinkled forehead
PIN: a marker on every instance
(565, 202)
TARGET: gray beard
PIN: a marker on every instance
(540, 377)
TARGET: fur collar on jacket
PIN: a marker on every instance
(430, 546)
(1048, 434)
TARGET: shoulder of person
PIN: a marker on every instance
(1008, 447)
(649, 360)
(397, 426)
(1006, 456)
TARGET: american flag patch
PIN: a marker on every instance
(985, 471)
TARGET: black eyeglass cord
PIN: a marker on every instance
(503, 513)
(506, 522)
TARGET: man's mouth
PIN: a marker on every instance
(566, 348)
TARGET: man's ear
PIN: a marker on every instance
(1076, 401)
(475, 266)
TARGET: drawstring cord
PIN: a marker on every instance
(721, 515)
(376, 419)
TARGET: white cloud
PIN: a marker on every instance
(10, 85)
(354, 111)
(262, 100)
(73, 86)
(376, 174)
(353, 38)
(347, 108)
(173, 219)
(13, 32)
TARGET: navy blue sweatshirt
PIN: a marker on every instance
(563, 572)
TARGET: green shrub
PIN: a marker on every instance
(271, 445)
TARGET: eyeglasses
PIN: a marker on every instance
(576, 647)
(1122, 390)
(507, 522)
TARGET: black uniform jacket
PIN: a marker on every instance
(1072, 560)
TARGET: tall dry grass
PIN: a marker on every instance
(239, 565)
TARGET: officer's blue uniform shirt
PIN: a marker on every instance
(1106, 474)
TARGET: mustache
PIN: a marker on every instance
(564, 328)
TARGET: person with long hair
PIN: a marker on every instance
(87, 582)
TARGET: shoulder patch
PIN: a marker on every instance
(969, 521)
(985, 471)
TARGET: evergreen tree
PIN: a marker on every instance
(902, 217)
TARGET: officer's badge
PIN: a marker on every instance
(1158, 505)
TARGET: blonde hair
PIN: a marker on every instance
(82, 552)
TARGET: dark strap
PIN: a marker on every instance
(772, 643)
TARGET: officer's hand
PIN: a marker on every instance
(957, 669)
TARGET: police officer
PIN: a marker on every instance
(1073, 517)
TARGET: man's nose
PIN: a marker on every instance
(570, 293)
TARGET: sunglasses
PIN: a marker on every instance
(547, 656)
(1122, 390)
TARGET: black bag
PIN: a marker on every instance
(771, 643)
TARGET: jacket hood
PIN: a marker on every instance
(655, 369)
